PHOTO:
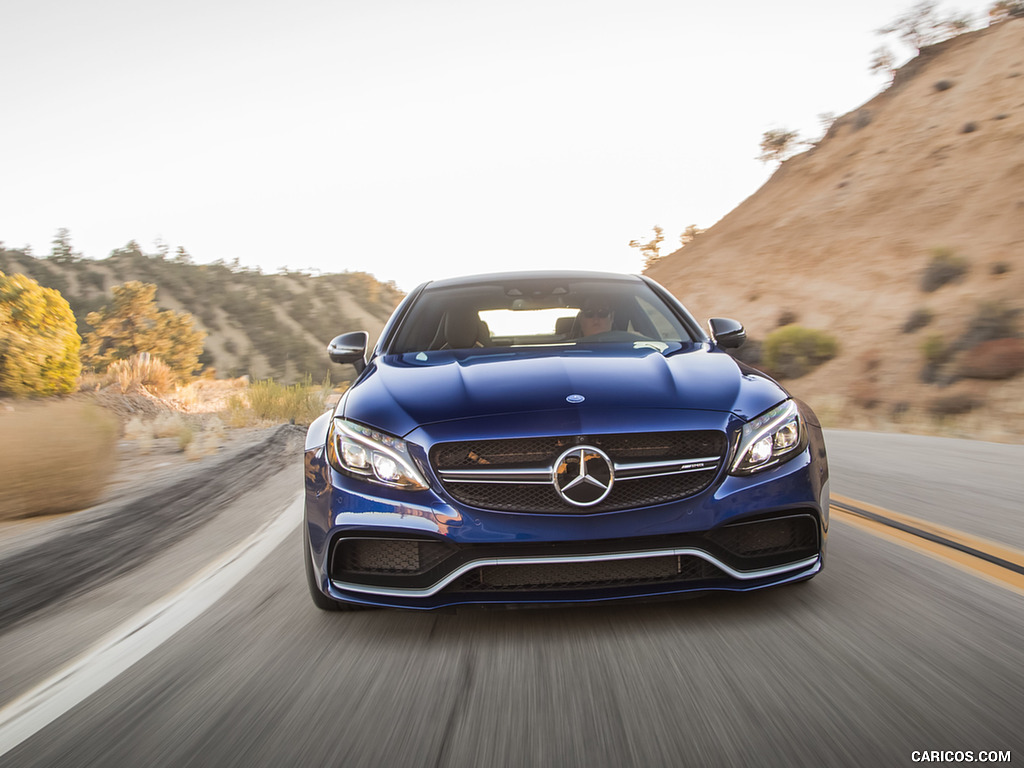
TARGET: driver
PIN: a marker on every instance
(596, 316)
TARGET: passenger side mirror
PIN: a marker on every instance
(727, 333)
(349, 348)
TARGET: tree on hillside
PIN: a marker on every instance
(132, 323)
(39, 340)
(62, 253)
(689, 234)
(883, 62)
(651, 250)
(921, 26)
(777, 144)
(1005, 9)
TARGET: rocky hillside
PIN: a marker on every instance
(259, 325)
(857, 235)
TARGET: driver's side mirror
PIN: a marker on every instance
(727, 333)
(349, 348)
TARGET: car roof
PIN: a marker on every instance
(502, 277)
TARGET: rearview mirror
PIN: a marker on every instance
(727, 333)
(349, 348)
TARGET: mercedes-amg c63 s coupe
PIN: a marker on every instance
(556, 437)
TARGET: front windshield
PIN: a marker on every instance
(534, 312)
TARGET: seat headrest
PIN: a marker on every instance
(461, 328)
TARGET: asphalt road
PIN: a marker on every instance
(886, 653)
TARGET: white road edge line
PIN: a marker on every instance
(140, 635)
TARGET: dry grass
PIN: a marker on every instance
(206, 395)
(269, 401)
(192, 435)
(55, 456)
(141, 371)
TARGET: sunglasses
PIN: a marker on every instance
(591, 313)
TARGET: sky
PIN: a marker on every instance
(411, 139)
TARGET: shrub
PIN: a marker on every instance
(39, 340)
(786, 317)
(952, 405)
(267, 400)
(918, 319)
(142, 370)
(1005, 9)
(78, 438)
(945, 267)
(996, 359)
(777, 144)
(992, 320)
(794, 351)
(935, 349)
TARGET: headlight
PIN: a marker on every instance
(372, 455)
(770, 439)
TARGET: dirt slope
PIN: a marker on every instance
(841, 234)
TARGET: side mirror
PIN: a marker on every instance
(349, 348)
(727, 333)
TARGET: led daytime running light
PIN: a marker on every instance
(358, 450)
(768, 439)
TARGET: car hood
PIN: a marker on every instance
(398, 393)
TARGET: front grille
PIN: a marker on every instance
(609, 573)
(534, 458)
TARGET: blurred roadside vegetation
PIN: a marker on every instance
(271, 401)
(88, 357)
(56, 455)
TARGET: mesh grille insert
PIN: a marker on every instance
(541, 453)
(610, 573)
(768, 537)
(389, 556)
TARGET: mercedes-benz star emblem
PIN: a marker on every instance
(583, 475)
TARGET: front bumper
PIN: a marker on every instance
(419, 550)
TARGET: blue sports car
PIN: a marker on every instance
(546, 437)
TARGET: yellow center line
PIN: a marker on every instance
(975, 564)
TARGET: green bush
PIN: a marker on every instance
(945, 267)
(39, 339)
(794, 351)
(267, 400)
(935, 349)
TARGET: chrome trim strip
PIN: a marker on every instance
(543, 476)
(681, 463)
(624, 478)
(495, 481)
(473, 564)
(506, 476)
(497, 471)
